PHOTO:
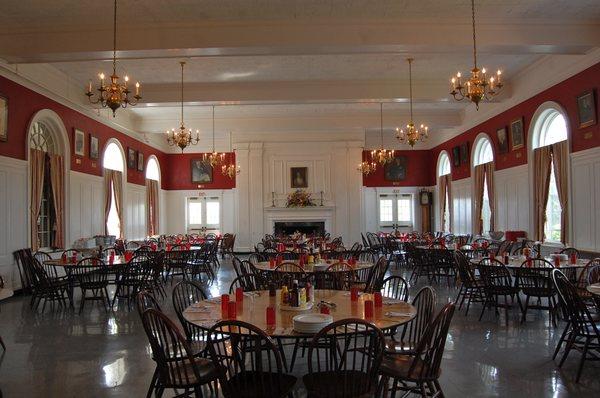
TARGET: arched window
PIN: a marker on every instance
(43, 148)
(114, 164)
(152, 197)
(443, 169)
(443, 164)
(483, 155)
(113, 158)
(152, 170)
(549, 129)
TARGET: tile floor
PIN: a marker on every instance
(63, 354)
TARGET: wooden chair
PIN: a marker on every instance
(497, 283)
(344, 359)
(248, 362)
(249, 282)
(420, 371)
(186, 293)
(176, 263)
(407, 341)
(376, 276)
(395, 287)
(535, 281)
(472, 288)
(92, 275)
(178, 368)
(131, 278)
(583, 333)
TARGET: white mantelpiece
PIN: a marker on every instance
(325, 214)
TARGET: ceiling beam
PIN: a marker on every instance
(277, 92)
(70, 44)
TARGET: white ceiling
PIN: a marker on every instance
(286, 65)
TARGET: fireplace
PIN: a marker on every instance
(305, 227)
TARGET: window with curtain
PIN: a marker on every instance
(443, 170)
(550, 129)
(41, 139)
(113, 160)
(483, 154)
(152, 188)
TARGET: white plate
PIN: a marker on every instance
(313, 318)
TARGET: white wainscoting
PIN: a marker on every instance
(135, 212)
(86, 206)
(13, 215)
(585, 184)
(461, 206)
(370, 213)
(512, 199)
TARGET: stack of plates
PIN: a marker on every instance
(311, 323)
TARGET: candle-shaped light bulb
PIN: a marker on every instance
(458, 75)
(498, 74)
(137, 88)
(90, 86)
(126, 78)
(483, 71)
(101, 76)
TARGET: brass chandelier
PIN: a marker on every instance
(183, 136)
(115, 95)
(479, 87)
(367, 166)
(413, 133)
(381, 155)
(230, 170)
(213, 158)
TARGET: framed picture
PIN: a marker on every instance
(456, 156)
(586, 109)
(395, 170)
(131, 158)
(299, 177)
(201, 172)
(464, 153)
(140, 161)
(3, 118)
(79, 143)
(502, 140)
(517, 137)
(93, 147)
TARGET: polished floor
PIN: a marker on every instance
(64, 354)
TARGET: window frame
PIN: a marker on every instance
(396, 223)
(539, 120)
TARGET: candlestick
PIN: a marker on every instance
(272, 199)
(321, 198)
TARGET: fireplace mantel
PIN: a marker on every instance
(314, 213)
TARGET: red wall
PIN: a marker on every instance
(418, 171)
(564, 93)
(23, 103)
(180, 170)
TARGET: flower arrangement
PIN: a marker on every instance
(299, 198)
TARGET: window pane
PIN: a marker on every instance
(553, 209)
(404, 211)
(386, 210)
(553, 130)
(446, 221)
(195, 212)
(112, 158)
(152, 172)
(212, 213)
(113, 226)
(486, 214)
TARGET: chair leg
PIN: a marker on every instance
(582, 360)
(152, 383)
(2, 343)
(561, 340)
(82, 300)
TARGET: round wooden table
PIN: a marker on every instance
(265, 266)
(119, 260)
(206, 313)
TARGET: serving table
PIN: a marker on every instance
(207, 313)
